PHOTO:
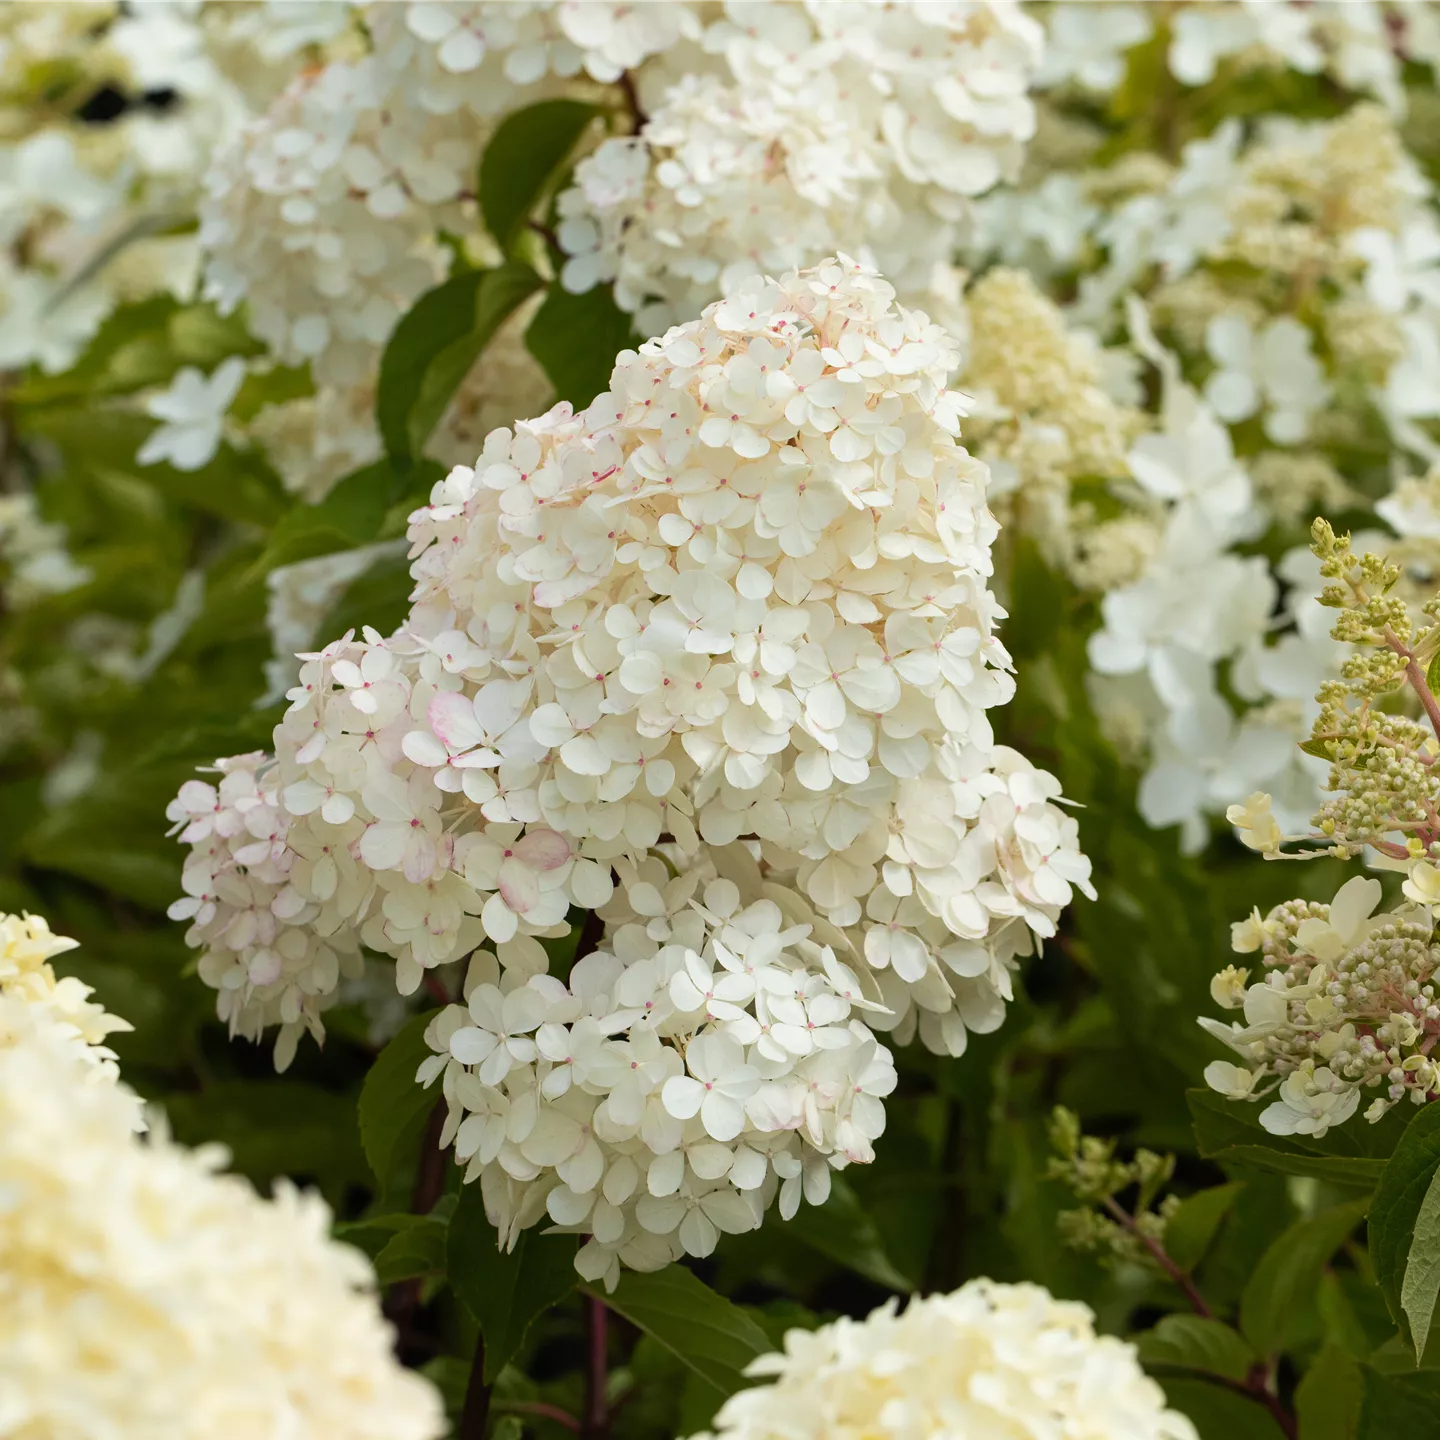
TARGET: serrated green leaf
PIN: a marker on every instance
(1398, 1200)
(712, 1335)
(1399, 1405)
(392, 1101)
(505, 1292)
(1192, 1342)
(576, 339)
(522, 159)
(1289, 1272)
(1328, 1398)
(1421, 1285)
(433, 347)
(1192, 1227)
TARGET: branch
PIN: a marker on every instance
(476, 1414)
(540, 1409)
(597, 1418)
(1161, 1257)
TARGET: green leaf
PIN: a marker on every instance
(576, 339)
(392, 1101)
(1219, 1413)
(418, 1249)
(1421, 1285)
(1192, 1342)
(843, 1230)
(1399, 1198)
(433, 347)
(1289, 1273)
(1359, 1172)
(1328, 1398)
(713, 1336)
(1192, 1227)
(1397, 1405)
(524, 155)
(505, 1293)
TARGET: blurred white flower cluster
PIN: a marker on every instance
(733, 623)
(144, 1292)
(1191, 346)
(987, 1359)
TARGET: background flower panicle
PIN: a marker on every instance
(171, 1298)
(986, 1359)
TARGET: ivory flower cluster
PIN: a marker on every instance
(807, 127)
(144, 1292)
(987, 1359)
(737, 608)
(1346, 1003)
(711, 1055)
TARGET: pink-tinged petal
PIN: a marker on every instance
(543, 849)
(452, 718)
(519, 885)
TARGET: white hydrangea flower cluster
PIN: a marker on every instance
(1291, 272)
(84, 191)
(986, 1359)
(711, 1055)
(814, 126)
(169, 1299)
(1359, 44)
(738, 607)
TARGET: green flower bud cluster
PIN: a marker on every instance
(1383, 776)
(1088, 1167)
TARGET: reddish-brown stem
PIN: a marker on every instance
(1257, 1382)
(597, 1416)
(1162, 1258)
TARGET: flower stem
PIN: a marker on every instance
(597, 1417)
(476, 1414)
(1162, 1258)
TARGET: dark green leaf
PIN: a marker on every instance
(1191, 1228)
(433, 347)
(1399, 1405)
(1289, 1272)
(1327, 1400)
(713, 1336)
(1360, 1172)
(576, 339)
(391, 1100)
(1192, 1342)
(505, 1293)
(418, 1249)
(843, 1230)
(1219, 1413)
(526, 151)
(1398, 1200)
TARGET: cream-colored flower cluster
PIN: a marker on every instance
(26, 948)
(1346, 1003)
(739, 607)
(142, 1292)
(987, 1359)
(813, 127)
